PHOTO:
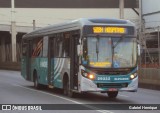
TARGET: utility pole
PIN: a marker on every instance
(13, 32)
(34, 24)
(121, 9)
(140, 16)
(158, 47)
(140, 29)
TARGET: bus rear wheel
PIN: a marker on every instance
(36, 84)
(112, 94)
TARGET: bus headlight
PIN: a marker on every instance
(132, 76)
(91, 76)
(87, 75)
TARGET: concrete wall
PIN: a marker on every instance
(10, 66)
(47, 16)
(149, 78)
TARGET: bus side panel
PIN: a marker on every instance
(58, 63)
(43, 71)
(41, 66)
(34, 66)
(23, 67)
(61, 66)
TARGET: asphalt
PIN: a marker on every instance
(16, 90)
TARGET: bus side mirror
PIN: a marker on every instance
(139, 50)
(79, 50)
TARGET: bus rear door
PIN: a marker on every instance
(26, 60)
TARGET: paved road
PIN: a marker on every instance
(15, 90)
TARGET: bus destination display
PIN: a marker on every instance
(116, 30)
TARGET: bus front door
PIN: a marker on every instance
(74, 67)
(28, 61)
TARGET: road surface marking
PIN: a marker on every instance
(123, 95)
(101, 111)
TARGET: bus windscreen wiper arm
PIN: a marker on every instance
(118, 42)
(114, 46)
(97, 47)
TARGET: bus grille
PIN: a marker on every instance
(112, 72)
(112, 85)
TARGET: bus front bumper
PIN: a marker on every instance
(89, 86)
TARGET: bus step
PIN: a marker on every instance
(50, 86)
(76, 91)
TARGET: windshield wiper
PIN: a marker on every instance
(118, 42)
(97, 47)
(114, 46)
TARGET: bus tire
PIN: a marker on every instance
(112, 94)
(70, 93)
(66, 89)
(36, 84)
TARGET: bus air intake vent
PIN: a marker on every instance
(112, 85)
(108, 21)
(112, 72)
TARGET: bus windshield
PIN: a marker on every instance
(109, 52)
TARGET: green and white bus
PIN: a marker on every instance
(84, 55)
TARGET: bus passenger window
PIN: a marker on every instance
(37, 47)
(45, 46)
(24, 49)
(51, 47)
(66, 46)
(58, 47)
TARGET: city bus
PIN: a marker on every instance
(83, 55)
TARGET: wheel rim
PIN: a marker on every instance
(65, 88)
(35, 83)
(68, 88)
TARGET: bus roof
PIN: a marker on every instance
(76, 24)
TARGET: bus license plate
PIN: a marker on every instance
(112, 89)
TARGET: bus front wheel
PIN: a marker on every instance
(70, 93)
(112, 94)
(66, 89)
